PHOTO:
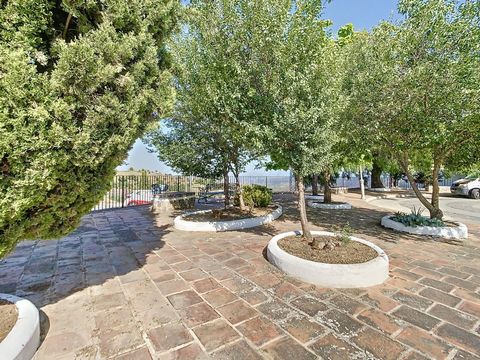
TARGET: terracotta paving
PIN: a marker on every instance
(126, 285)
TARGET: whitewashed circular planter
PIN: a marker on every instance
(181, 224)
(370, 273)
(318, 205)
(380, 189)
(448, 232)
(314, 197)
(23, 339)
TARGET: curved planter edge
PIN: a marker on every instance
(448, 232)
(213, 226)
(23, 339)
(381, 190)
(342, 206)
(370, 273)
(313, 197)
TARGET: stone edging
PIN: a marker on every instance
(24, 338)
(370, 273)
(390, 196)
(316, 205)
(181, 224)
(314, 197)
(380, 189)
(448, 232)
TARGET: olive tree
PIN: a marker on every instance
(302, 78)
(80, 81)
(416, 90)
(214, 100)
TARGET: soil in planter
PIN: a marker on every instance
(8, 318)
(352, 252)
(229, 214)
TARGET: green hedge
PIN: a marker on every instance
(256, 195)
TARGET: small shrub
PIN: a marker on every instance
(343, 233)
(256, 196)
(415, 219)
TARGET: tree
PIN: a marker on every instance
(79, 82)
(212, 61)
(416, 92)
(301, 80)
(377, 170)
(193, 148)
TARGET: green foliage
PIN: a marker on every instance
(415, 219)
(300, 84)
(72, 106)
(189, 147)
(205, 136)
(414, 87)
(256, 195)
(343, 233)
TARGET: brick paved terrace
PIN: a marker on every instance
(126, 285)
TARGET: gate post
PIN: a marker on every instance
(123, 190)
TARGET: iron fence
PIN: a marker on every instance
(131, 190)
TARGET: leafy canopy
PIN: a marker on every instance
(415, 84)
(415, 91)
(301, 78)
(206, 135)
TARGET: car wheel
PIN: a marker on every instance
(475, 194)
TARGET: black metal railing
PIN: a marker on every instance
(132, 190)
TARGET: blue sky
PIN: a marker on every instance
(363, 14)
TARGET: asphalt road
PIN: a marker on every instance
(454, 207)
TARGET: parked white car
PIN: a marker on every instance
(469, 186)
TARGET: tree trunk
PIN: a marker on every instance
(67, 24)
(302, 209)
(226, 188)
(376, 173)
(435, 212)
(327, 191)
(362, 183)
(238, 191)
(315, 184)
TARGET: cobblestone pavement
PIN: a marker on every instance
(126, 285)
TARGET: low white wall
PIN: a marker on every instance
(448, 232)
(214, 226)
(380, 189)
(314, 197)
(370, 273)
(317, 205)
(23, 340)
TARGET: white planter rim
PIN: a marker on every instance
(314, 197)
(371, 198)
(214, 226)
(448, 232)
(332, 206)
(372, 272)
(24, 338)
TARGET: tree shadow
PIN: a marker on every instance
(364, 221)
(44, 325)
(107, 244)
